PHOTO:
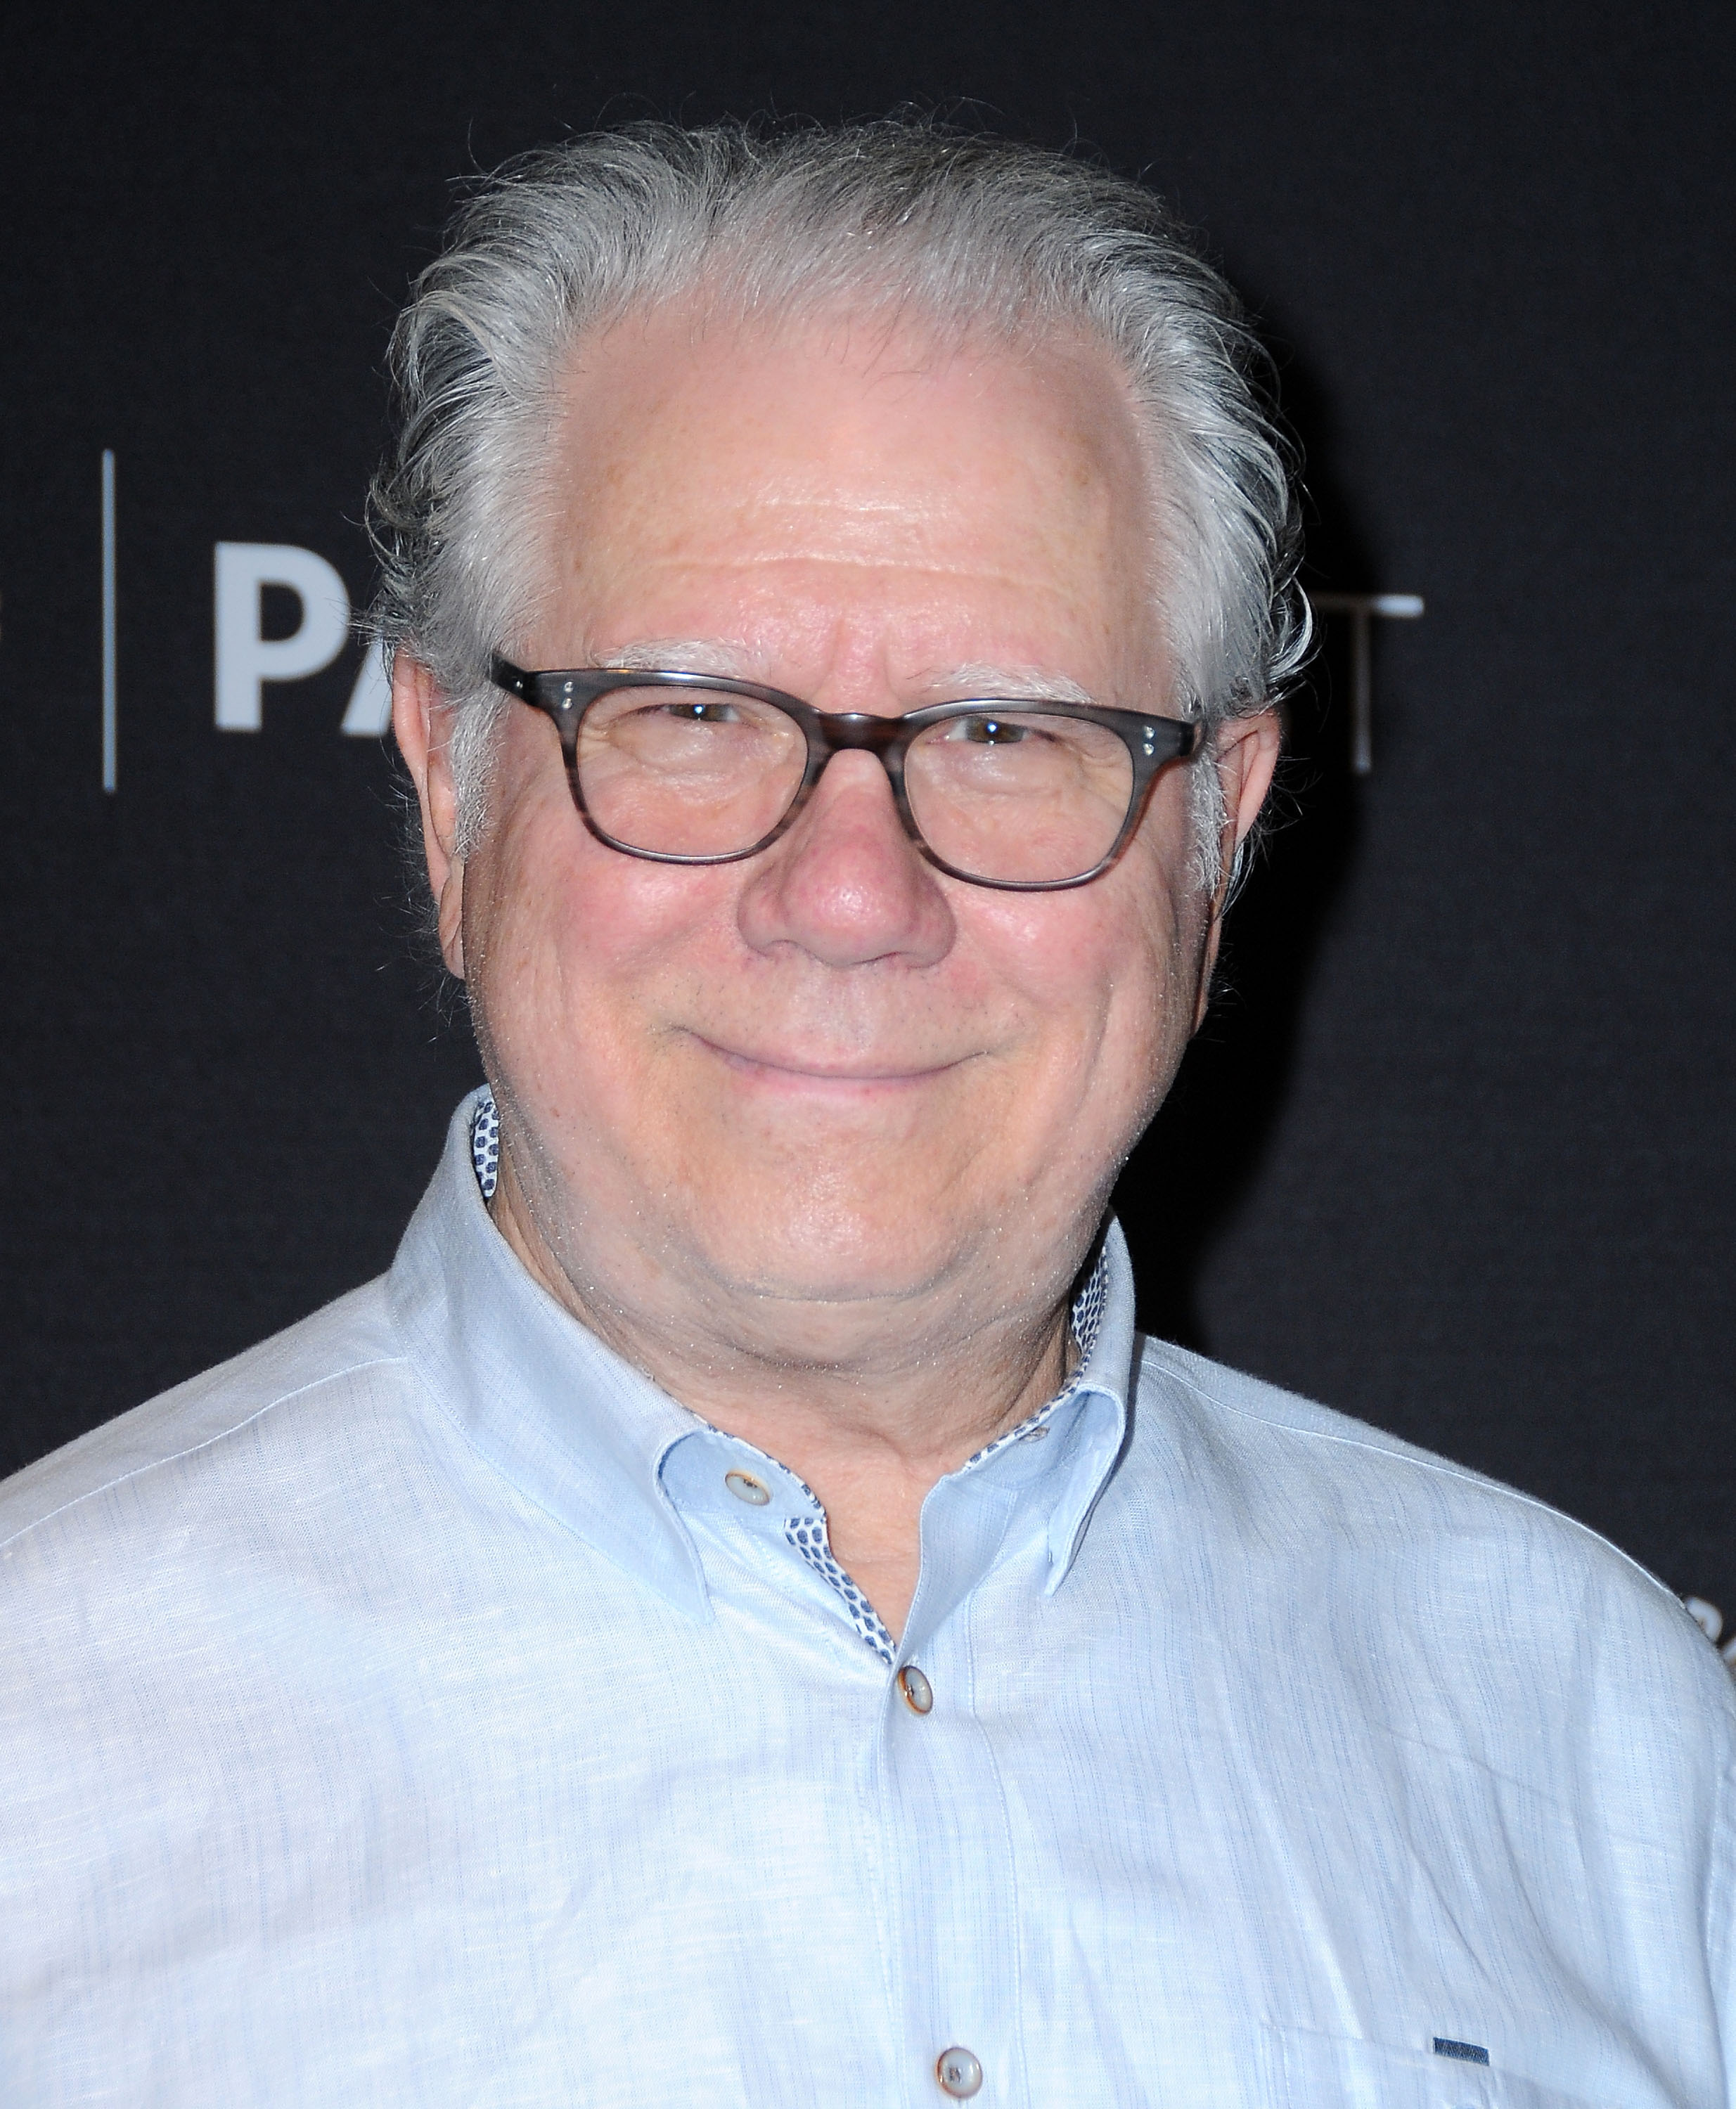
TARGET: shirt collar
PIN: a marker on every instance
(587, 1437)
(577, 1430)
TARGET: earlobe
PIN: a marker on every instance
(1207, 953)
(420, 717)
(451, 919)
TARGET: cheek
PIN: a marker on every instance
(565, 937)
(524, 914)
(1119, 943)
(1105, 977)
(1151, 942)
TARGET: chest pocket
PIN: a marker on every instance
(1338, 2072)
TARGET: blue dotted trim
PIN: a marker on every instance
(485, 1144)
(1088, 1307)
(808, 1534)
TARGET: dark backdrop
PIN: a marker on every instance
(1454, 1151)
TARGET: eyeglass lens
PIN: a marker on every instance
(702, 773)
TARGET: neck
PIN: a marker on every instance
(870, 1423)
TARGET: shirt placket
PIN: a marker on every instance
(946, 1842)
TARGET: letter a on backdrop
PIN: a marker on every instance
(369, 712)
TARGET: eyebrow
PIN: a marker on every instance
(967, 681)
(710, 655)
(1014, 684)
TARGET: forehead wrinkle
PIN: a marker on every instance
(787, 616)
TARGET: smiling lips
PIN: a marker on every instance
(823, 1075)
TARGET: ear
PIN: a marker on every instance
(1245, 754)
(422, 721)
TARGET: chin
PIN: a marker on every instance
(825, 1251)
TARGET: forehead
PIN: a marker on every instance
(845, 485)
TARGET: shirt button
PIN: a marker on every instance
(918, 1695)
(746, 1489)
(958, 2072)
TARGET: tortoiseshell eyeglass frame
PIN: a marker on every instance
(1152, 743)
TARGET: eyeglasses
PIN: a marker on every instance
(693, 769)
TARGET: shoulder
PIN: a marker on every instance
(1409, 1570)
(1269, 1437)
(259, 1404)
(1264, 1438)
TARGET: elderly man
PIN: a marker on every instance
(736, 1615)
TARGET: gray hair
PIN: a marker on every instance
(972, 235)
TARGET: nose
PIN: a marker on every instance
(847, 885)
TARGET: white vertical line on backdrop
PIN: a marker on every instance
(1362, 608)
(109, 701)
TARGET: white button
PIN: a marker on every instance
(1035, 1434)
(746, 1489)
(958, 2072)
(918, 1695)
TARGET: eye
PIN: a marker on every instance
(990, 732)
(701, 710)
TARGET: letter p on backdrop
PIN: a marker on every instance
(247, 659)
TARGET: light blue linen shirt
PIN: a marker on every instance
(408, 1713)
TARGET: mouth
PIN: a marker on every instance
(827, 1076)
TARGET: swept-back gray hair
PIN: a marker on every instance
(964, 235)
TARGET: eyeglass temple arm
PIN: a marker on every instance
(505, 675)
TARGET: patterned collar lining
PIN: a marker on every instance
(806, 1533)
(484, 1143)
